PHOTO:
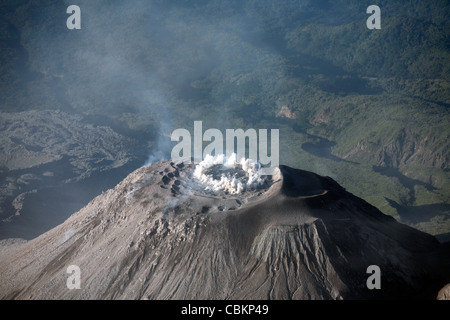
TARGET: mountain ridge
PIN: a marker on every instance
(234, 64)
(300, 237)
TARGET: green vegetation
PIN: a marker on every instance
(145, 68)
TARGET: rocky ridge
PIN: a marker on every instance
(41, 150)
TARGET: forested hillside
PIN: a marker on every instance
(370, 108)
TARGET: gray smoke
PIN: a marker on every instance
(161, 64)
(160, 59)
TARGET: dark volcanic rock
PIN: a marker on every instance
(299, 236)
(52, 156)
(35, 138)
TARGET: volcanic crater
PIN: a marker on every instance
(164, 232)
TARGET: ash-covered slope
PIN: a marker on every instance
(160, 235)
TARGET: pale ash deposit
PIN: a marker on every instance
(230, 175)
(159, 235)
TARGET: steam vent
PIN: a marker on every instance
(211, 231)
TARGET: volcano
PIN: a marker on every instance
(178, 231)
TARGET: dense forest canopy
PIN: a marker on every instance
(374, 98)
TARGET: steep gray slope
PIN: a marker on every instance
(159, 235)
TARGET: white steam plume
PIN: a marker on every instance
(228, 181)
